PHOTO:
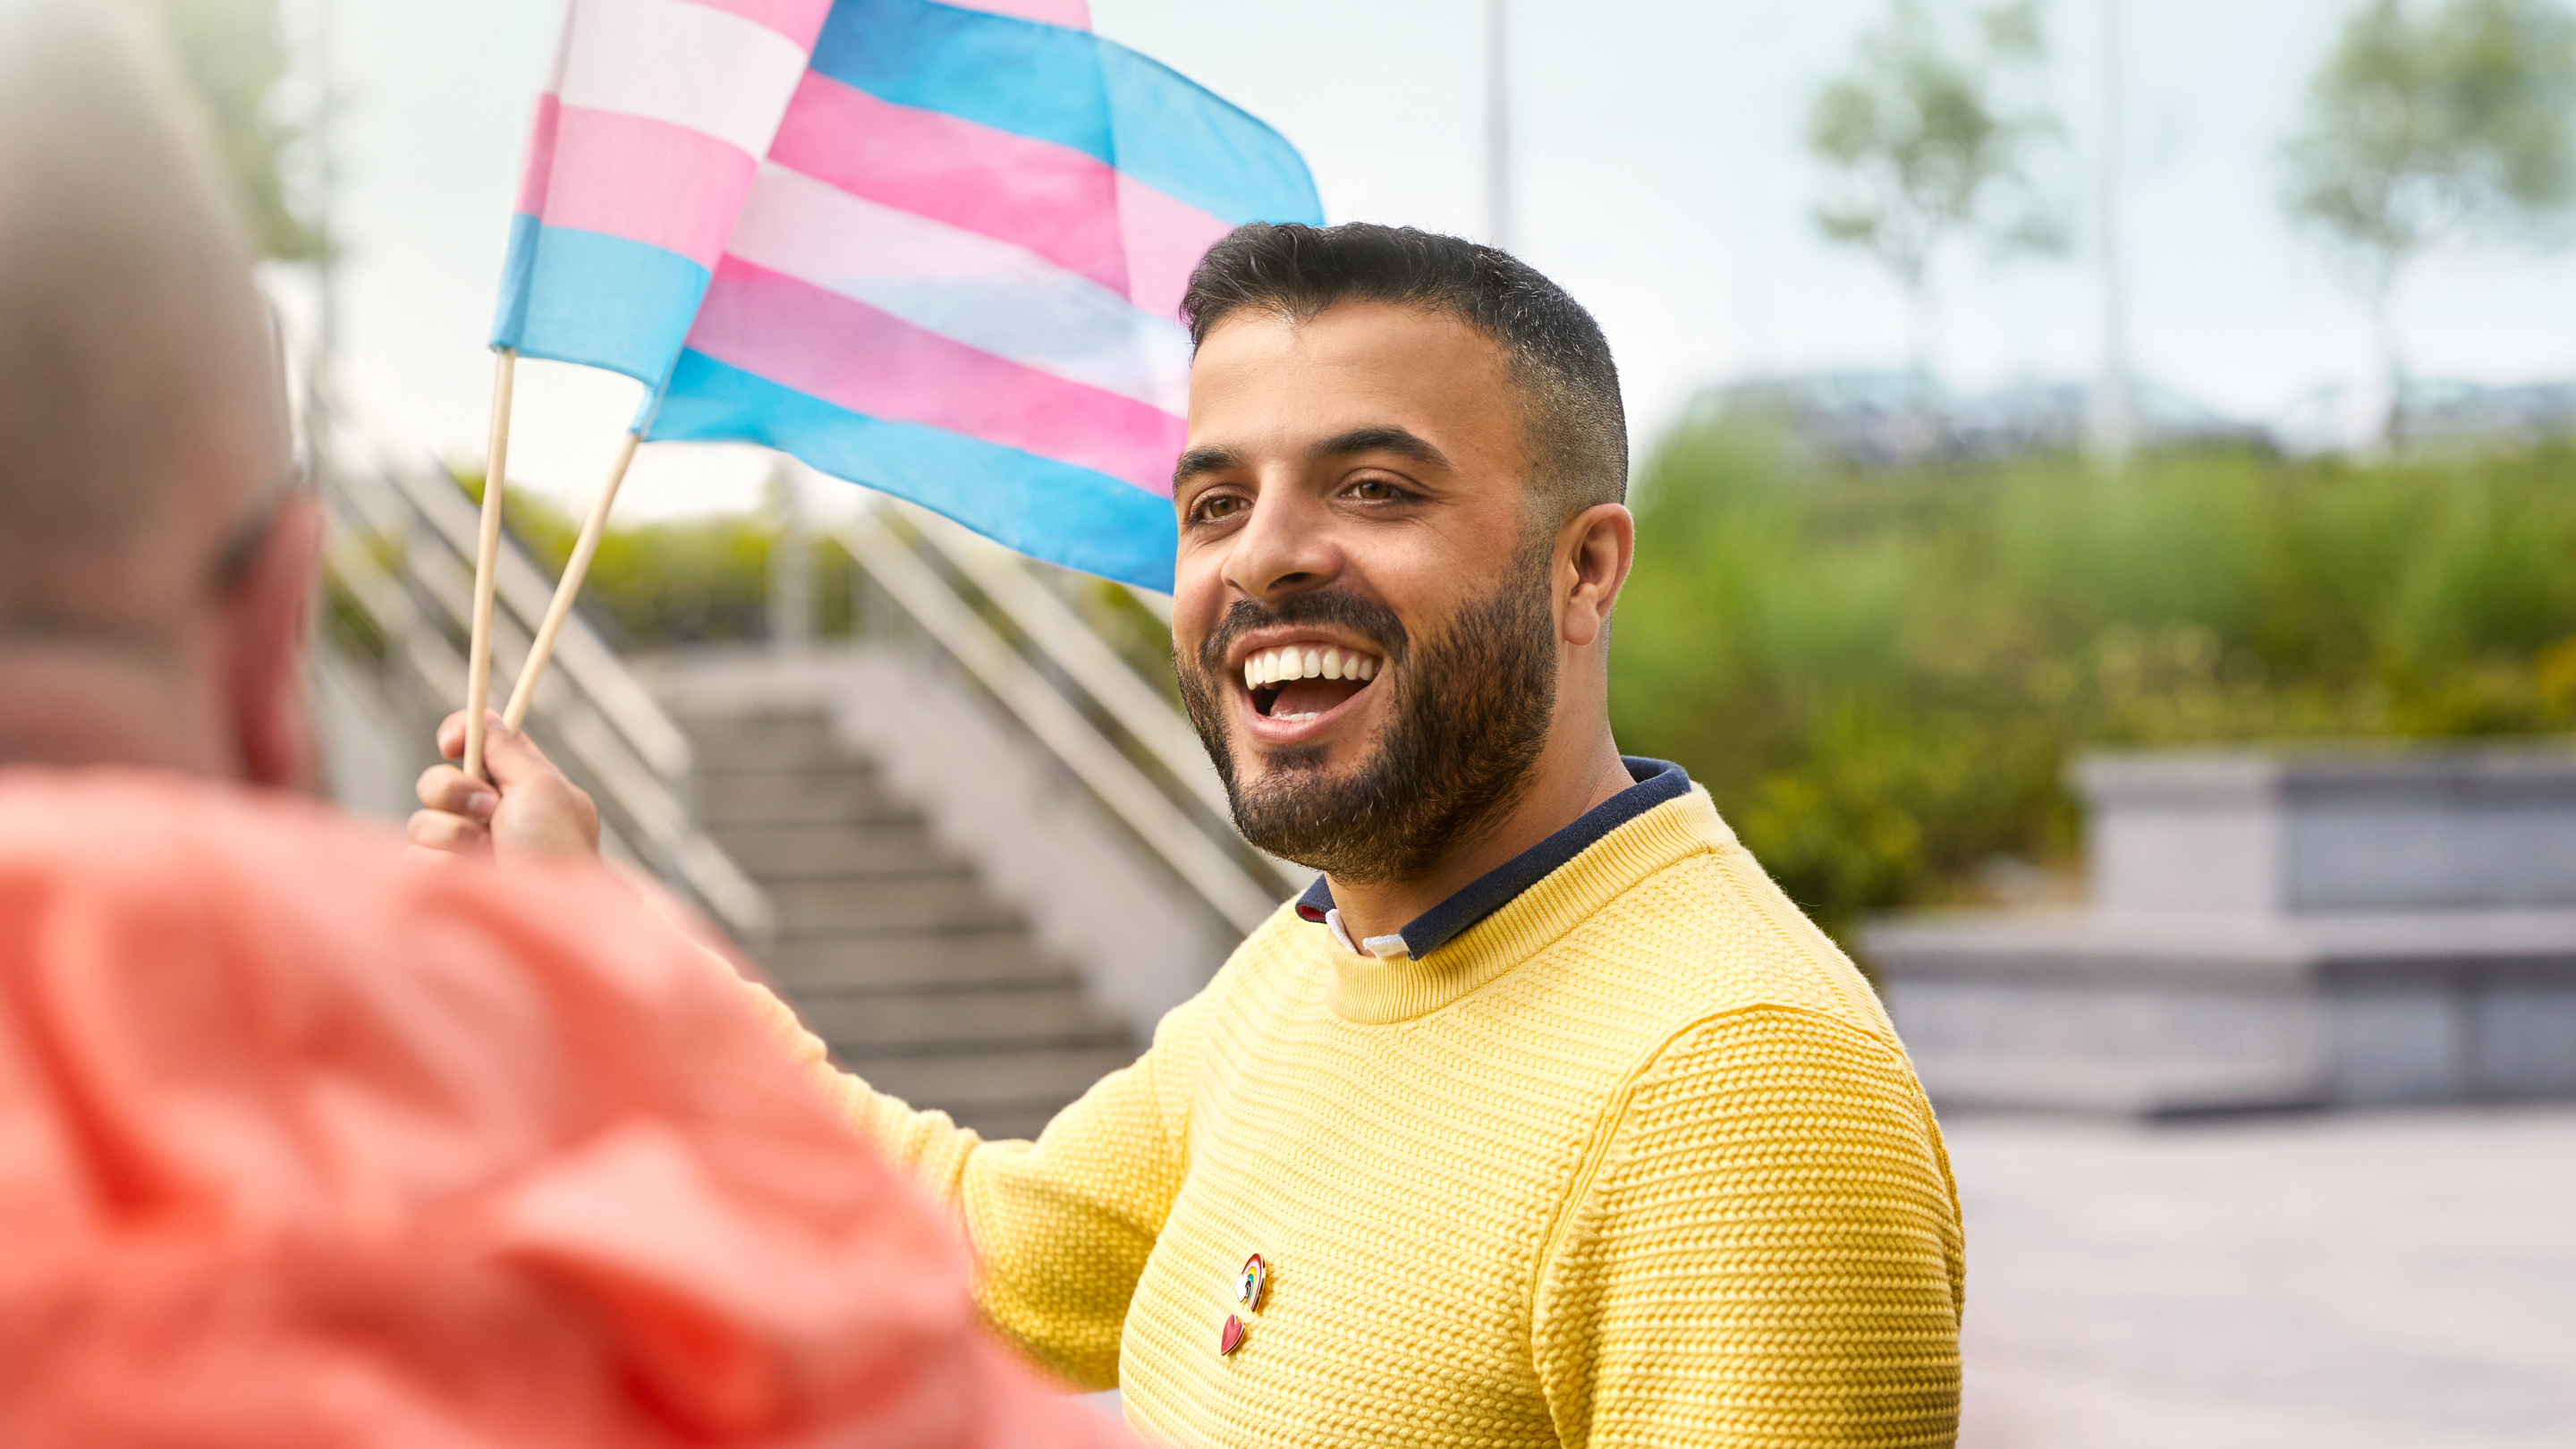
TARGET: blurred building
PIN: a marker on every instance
(2443, 412)
(1897, 418)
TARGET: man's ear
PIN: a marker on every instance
(1593, 553)
(266, 616)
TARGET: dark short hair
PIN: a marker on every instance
(1577, 434)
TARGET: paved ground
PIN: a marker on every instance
(2363, 1281)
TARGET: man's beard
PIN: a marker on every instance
(1464, 731)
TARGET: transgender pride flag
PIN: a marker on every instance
(932, 248)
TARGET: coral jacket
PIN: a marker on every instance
(302, 1145)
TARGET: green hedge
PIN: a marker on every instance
(1881, 676)
(682, 582)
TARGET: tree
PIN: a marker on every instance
(2431, 123)
(1926, 144)
(233, 55)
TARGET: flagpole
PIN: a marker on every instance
(576, 568)
(487, 556)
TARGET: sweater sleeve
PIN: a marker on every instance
(1060, 1227)
(1764, 1251)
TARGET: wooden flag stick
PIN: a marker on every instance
(487, 557)
(569, 586)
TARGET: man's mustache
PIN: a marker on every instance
(1335, 608)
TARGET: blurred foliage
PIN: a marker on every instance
(1926, 143)
(2434, 121)
(687, 581)
(233, 55)
(1882, 676)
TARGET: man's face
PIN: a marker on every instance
(1361, 619)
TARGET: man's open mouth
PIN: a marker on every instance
(1302, 681)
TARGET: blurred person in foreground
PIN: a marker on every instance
(299, 1144)
(1549, 1119)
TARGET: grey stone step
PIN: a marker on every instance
(955, 901)
(882, 1024)
(889, 945)
(1042, 1079)
(1007, 1124)
(850, 962)
(739, 798)
(780, 853)
(794, 741)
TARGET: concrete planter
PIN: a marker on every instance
(2302, 926)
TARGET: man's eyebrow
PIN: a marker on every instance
(1399, 441)
(1204, 460)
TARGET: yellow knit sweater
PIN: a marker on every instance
(1635, 1161)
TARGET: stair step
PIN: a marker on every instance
(889, 945)
(793, 741)
(1043, 1079)
(781, 853)
(729, 799)
(851, 962)
(931, 902)
(884, 1025)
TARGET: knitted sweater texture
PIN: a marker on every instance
(1636, 1161)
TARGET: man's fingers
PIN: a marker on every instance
(451, 736)
(422, 857)
(513, 759)
(447, 788)
(454, 834)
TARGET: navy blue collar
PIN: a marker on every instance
(1657, 782)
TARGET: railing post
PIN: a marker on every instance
(791, 566)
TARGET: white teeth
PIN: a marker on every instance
(1281, 666)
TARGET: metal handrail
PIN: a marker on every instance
(378, 486)
(1059, 634)
(1209, 863)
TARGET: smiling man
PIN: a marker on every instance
(1543, 1118)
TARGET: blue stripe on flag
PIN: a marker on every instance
(1045, 509)
(596, 299)
(1075, 89)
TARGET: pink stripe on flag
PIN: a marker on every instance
(798, 20)
(1074, 13)
(541, 155)
(854, 356)
(1048, 199)
(1166, 237)
(647, 181)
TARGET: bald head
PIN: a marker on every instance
(151, 586)
(139, 409)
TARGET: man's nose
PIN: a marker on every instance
(1285, 547)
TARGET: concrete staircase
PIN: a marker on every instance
(891, 948)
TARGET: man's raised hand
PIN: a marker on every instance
(528, 810)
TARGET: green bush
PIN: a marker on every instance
(686, 581)
(1881, 676)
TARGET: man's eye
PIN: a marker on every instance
(1374, 490)
(1221, 505)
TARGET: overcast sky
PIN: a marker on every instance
(1661, 179)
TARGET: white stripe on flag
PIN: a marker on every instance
(963, 285)
(708, 70)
